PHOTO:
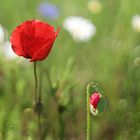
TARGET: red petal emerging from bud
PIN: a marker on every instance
(94, 99)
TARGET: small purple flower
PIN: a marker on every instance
(48, 10)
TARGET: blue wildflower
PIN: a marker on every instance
(49, 10)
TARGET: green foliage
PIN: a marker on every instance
(110, 57)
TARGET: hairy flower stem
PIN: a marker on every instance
(36, 82)
(40, 86)
(38, 103)
(88, 116)
(39, 127)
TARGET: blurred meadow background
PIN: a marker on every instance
(99, 40)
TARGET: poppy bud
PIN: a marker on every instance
(94, 99)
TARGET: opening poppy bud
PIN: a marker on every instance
(94, 99)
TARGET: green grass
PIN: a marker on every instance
(108, 57)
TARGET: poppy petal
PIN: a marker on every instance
(33, 39)
(42, 53)
(16, 42)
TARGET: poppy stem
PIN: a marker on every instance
(40, 86)
(36, 82)
(39, 127)
(38, 103)
(88, 115)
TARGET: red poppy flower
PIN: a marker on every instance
(94, 99)
(33, 39)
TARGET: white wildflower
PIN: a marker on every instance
(136, 23)
(80, 28)
(7, 50)
(2, 34)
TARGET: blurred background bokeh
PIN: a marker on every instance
(99, 40)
